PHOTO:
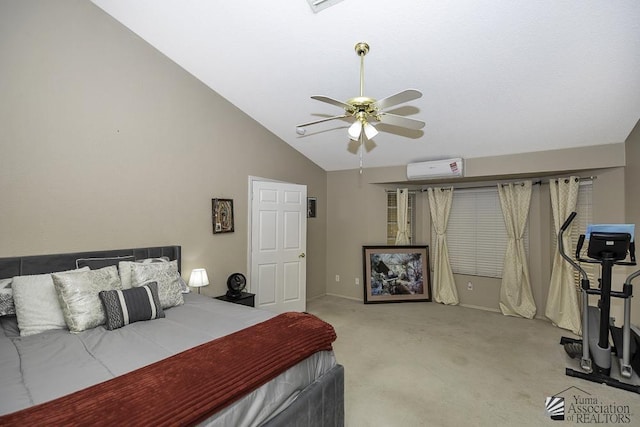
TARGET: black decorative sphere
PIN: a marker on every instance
(236, 284)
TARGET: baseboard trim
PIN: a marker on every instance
(479, 307)
(316, 297)
(343, 296)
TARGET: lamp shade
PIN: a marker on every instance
(198, 278)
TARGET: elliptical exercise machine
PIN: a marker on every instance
(607, 248)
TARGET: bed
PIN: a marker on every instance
(200, 361)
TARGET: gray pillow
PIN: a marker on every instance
(150, 260)
(123, 307)
(165, 274)
(78, 296)
(96, 263)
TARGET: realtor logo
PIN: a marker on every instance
(578, 406)
(554, 406)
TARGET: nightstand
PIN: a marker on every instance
(244, 299)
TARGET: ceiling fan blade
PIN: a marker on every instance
(353, 146)
(405, 122)
(332, 101)
(398, 98)
(369, 145)
(355, 130)
(300, 129)
(369, 130)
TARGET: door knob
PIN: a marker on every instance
(302, 255)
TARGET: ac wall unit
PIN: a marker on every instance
(447, 168)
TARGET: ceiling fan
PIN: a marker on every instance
(366, 110)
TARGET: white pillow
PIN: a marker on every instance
(124, 269)
(167, 277)
(36, 302)
(78, 293)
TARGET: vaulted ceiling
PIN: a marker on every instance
(497, 76)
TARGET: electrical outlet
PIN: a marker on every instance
(469, 286)
(357, 280)
(337, 277)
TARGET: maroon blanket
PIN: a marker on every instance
(191, 386)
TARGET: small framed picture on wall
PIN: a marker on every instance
(311, 207)
(222, 212)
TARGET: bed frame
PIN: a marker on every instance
(43, 264)
(320, 404)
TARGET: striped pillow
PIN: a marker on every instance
(131, 305)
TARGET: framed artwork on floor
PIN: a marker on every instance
(222, 212)
(396, 274)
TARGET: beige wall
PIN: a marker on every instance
(632, 211)
(357, 215)
(108, 144)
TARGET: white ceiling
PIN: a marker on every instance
(497, 76)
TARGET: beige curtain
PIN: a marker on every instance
(516, 298)
(563, 307)
(444, 287)
(402, 199)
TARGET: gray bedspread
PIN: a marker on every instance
(42, 367)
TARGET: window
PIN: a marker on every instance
(392, 217)
(476, 234)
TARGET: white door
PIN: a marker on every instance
(279, 245)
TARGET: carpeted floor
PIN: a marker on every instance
(426, 364)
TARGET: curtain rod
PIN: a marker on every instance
(484, 186)
(539, 182)
(408, 191)
(566, 179)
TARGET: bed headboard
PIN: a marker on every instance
(42, 264)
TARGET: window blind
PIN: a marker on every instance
(476, 233)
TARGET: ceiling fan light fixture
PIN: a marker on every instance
(369, 130)
(355, 130)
